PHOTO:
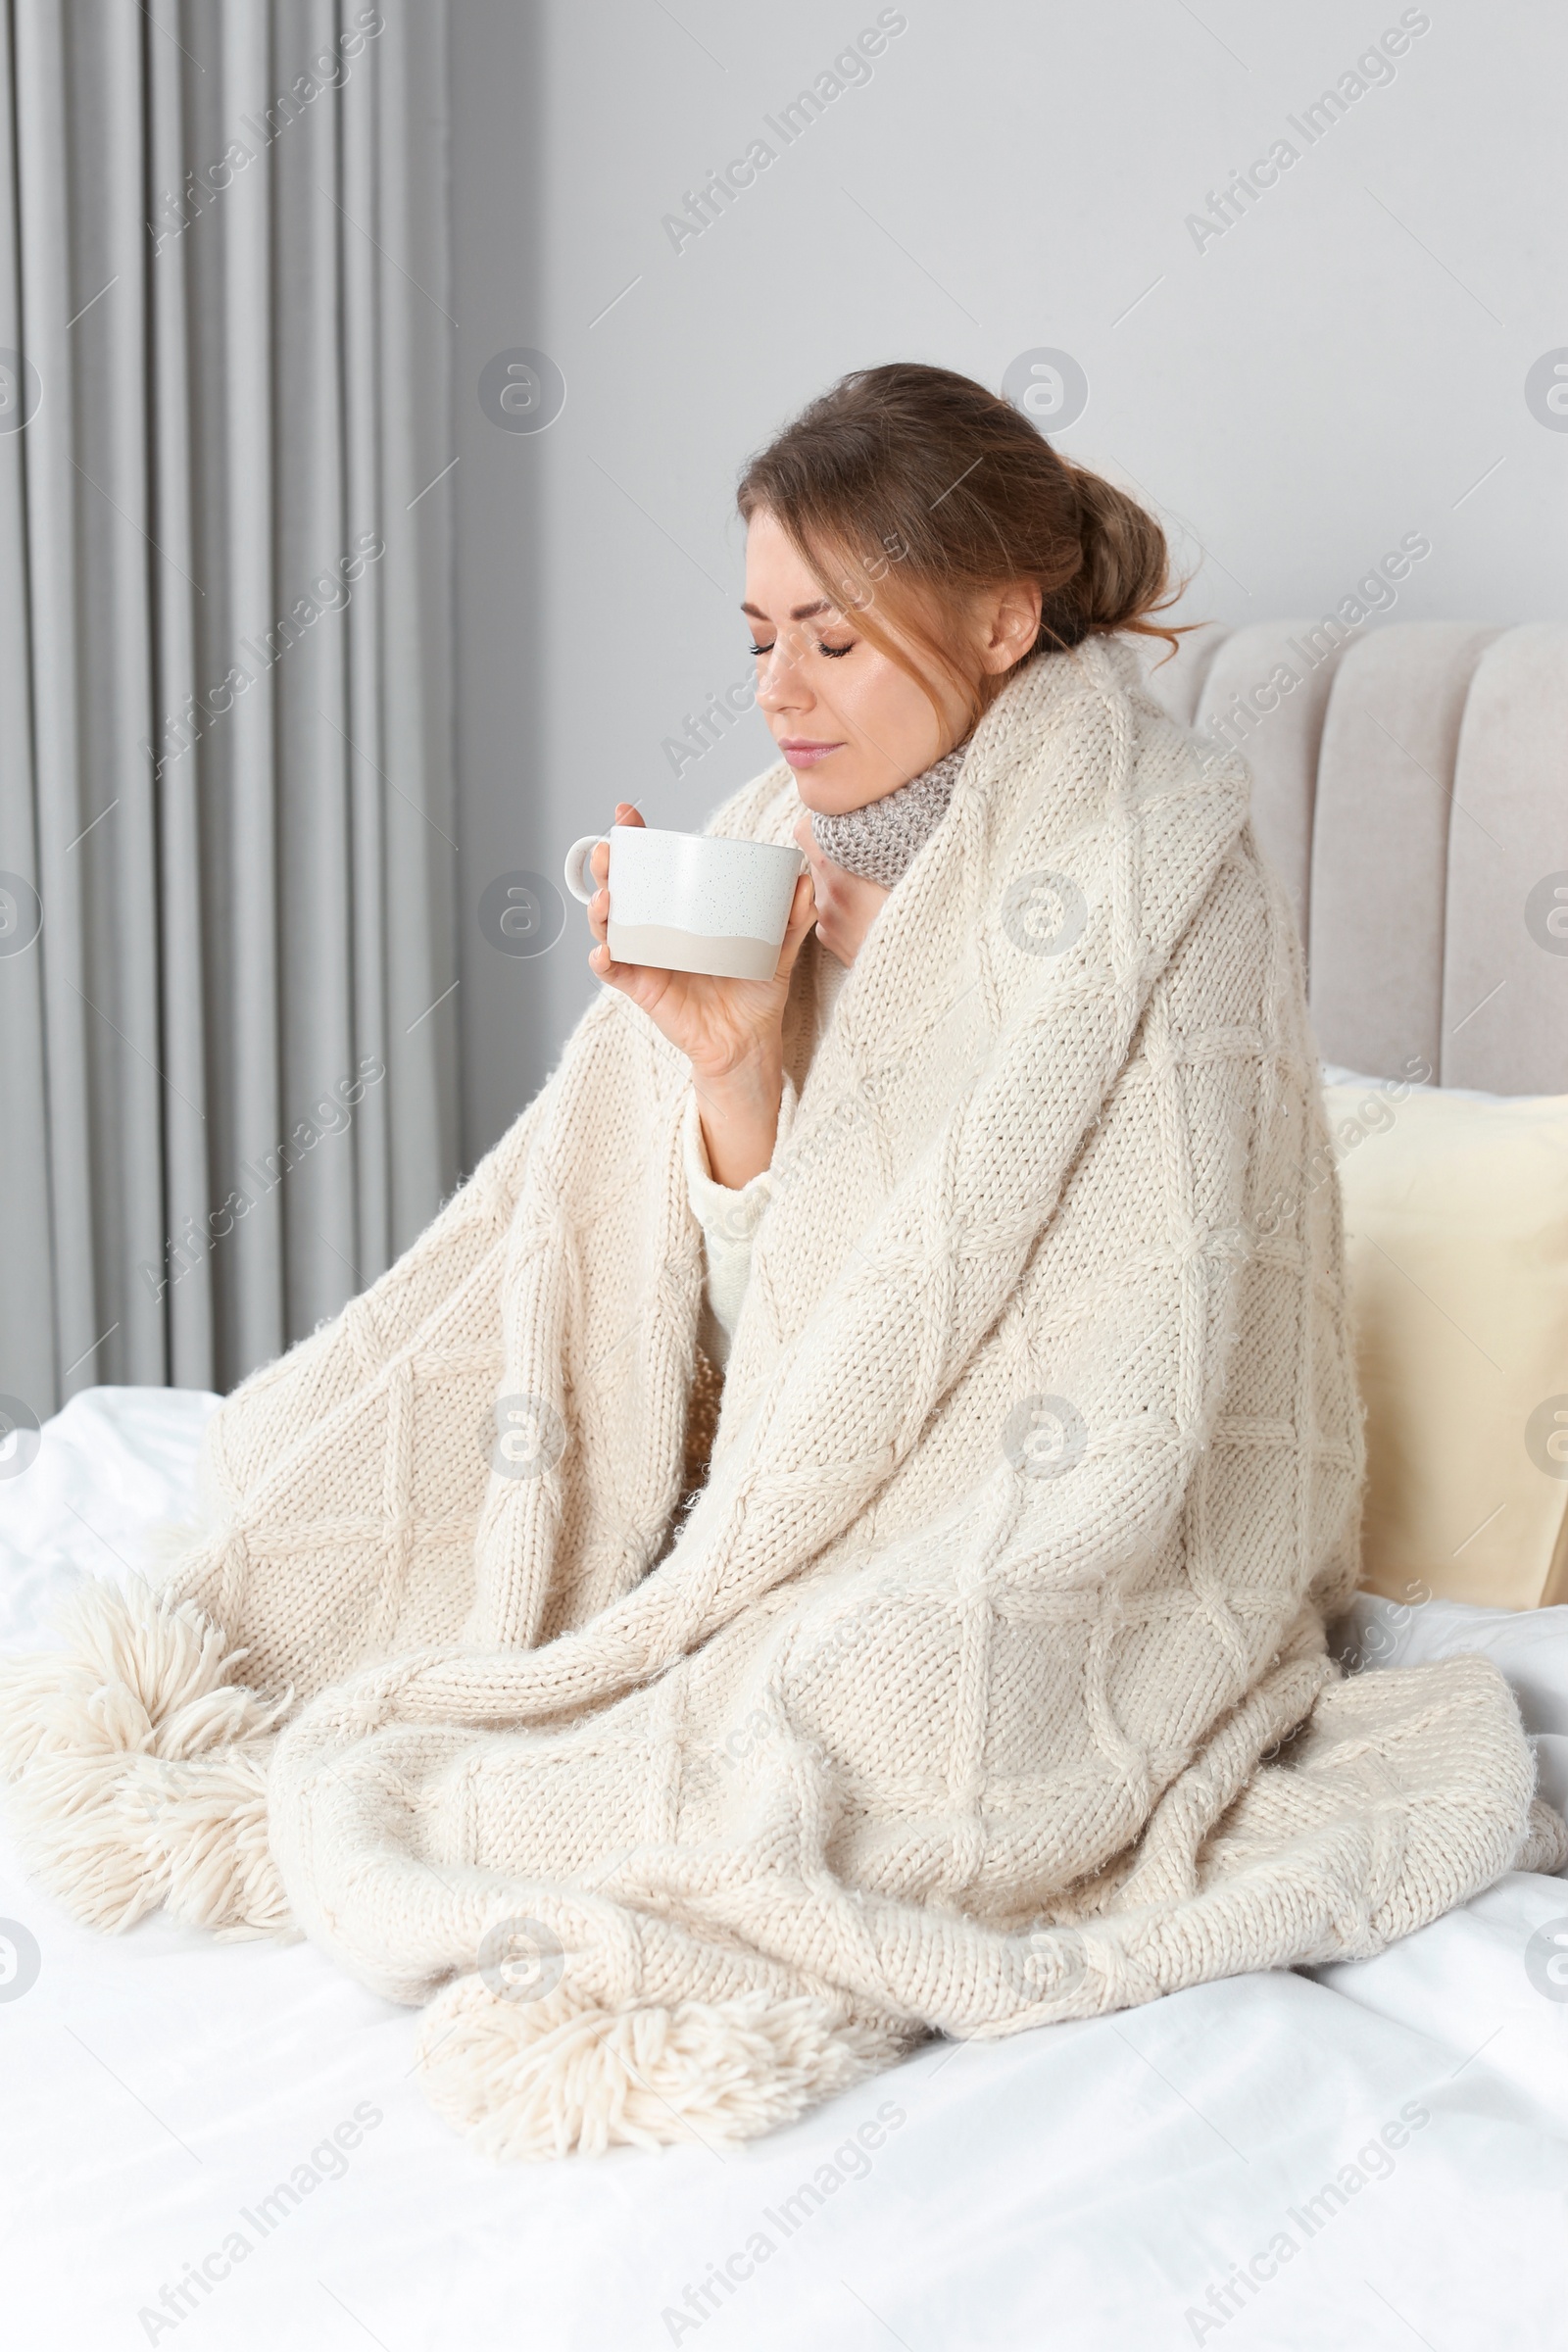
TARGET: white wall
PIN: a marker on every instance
(1344, 365)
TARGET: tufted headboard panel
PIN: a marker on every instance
(1410, 785)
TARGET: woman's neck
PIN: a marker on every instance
(881, 840)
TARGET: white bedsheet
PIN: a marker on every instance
(1082, 2186)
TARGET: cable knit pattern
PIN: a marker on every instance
(879, 841)
(984, 1681)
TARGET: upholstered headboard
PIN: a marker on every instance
(1410, 784)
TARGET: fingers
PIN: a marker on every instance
(598, 903)
(803, 914)
(598, 866)
(642, 983)
(633, 980)
(626, 814)
(604, 967)
(806, 842)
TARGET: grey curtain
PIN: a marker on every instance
(228, 1026)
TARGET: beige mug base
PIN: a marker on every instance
(670, 950)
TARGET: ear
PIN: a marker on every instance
(1014, 624)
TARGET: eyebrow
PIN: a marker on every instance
(798, 613)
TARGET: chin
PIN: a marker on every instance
(809, 784)
(830, 799)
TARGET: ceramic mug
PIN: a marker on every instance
(692, 902)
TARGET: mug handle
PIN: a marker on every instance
(577, 858)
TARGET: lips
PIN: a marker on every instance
(800, 752)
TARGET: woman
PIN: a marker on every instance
(869, 716)
(951, 1698)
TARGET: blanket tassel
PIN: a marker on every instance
(555, 2077)
(135, 1770)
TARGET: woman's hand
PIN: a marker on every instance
(731, 1031)
(847, 904)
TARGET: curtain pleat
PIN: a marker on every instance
(26, 1301)
(44, 156)
(225, 678)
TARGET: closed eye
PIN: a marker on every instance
(834, 653)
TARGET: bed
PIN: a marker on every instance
(1374, 2154)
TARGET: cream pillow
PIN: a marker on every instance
(1457, 1235)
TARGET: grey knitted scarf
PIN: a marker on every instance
(881, 839)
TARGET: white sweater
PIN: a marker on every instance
(729, 1215)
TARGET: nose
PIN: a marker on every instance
(780, 684)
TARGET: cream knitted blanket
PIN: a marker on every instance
(984, 1682)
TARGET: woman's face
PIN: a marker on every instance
(852, 725)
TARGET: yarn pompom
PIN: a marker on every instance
(137, 1768)
(554, 2076)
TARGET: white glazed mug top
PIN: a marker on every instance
(704, 883)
